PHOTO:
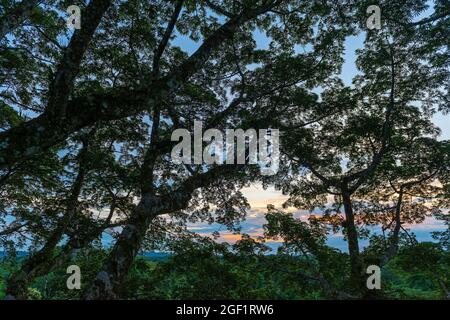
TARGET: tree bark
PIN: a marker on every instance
(356, 265)
(393, 247)
(107, 284)
(68, 68)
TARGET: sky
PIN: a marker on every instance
(259, 198)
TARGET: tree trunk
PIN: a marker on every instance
(393, 247)
(114, 270)
(356, 265)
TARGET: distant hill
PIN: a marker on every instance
(155, 256)
(18, 253)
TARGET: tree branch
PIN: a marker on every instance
(17, 15)
(32, 137)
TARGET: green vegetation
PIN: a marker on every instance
(206, 270)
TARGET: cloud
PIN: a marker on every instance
(253, 224)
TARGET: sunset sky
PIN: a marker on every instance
(259, 198)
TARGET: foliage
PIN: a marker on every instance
(203, 269)
(86, 124)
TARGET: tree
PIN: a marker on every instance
(127, 76)
(341, 155)
(306, 240)
(159, 197)
(60, 117)
(406, 188)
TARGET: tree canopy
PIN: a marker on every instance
(87, 117)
